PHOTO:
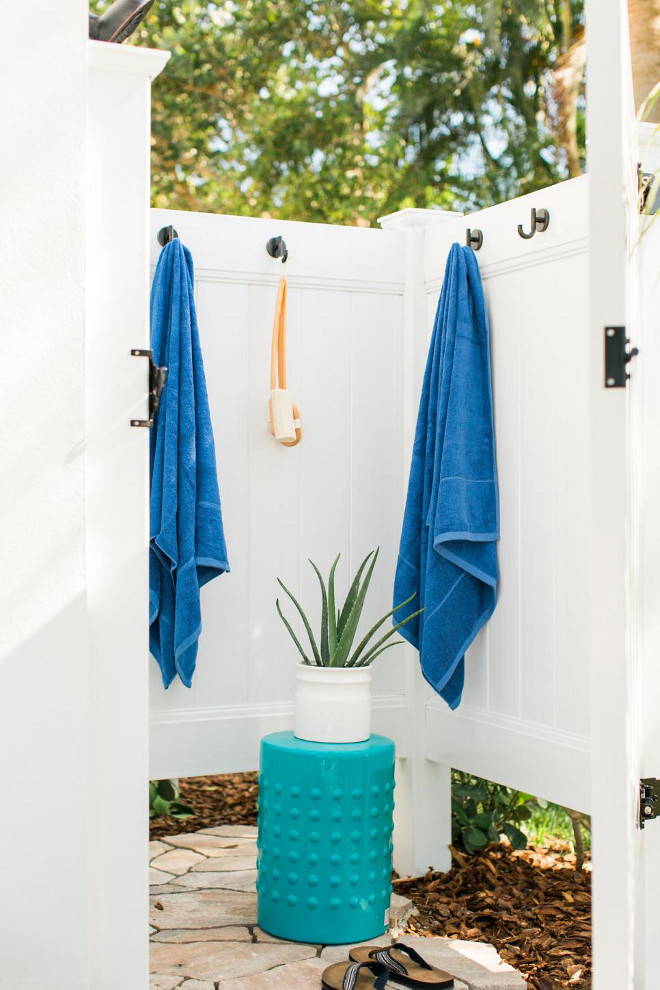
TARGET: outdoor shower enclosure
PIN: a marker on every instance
(561, 687)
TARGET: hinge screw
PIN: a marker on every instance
(610, 332)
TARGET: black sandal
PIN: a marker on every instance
(405, 966)
(366, 975)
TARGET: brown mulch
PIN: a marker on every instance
(223, 799)
(533, 906)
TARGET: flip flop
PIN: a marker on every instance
(405, 966)
(366, 975)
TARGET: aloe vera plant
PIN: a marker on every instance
(339, 625)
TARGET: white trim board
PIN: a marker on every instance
(512, 752)
(195, 742)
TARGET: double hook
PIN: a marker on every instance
(540, 220)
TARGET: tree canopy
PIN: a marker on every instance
(339, 111)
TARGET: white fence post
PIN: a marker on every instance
(422, 816)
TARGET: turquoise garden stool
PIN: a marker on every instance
(325, 838)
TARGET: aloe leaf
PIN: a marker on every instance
(351, 597)
(291, 633)
(370, 655)
(375, 628)
(365, 663)
(325, 652)
(350, 628)
(332, 609)
(308, 628)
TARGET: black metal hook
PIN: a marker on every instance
(473, 238)
(277, 248)
(166, 234)
(540, 221)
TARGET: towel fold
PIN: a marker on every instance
(451, 522)
(187, 543)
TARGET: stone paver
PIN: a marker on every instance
(232, 831)
(156, 847)
(261, 936)
(158, 981)
(231, 880)
(224, 960)
(232, 860)
(232, 933)
(158, 876)
(167, 888)
(203, 909)
(204, 934)
(294, 976)
(401, 908)
(211, 845)
(177, 861)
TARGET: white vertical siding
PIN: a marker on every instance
(527, 675)
(339, 490)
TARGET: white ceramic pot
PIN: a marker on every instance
(332, 704)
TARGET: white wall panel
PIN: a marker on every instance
(527, 675)
(339, 490)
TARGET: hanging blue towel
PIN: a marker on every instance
(186, 536)
(451, 524)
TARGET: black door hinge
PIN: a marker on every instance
(617, 357)
(157, 377)
(649, 800)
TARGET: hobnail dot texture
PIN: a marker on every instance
(325, 813)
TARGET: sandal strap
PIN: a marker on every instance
(380, 971)
(385, 956)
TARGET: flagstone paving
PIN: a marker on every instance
(204, 934)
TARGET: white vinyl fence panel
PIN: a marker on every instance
(524, 720)
(341, 489)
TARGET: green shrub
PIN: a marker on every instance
(482, 811)
(164, 800)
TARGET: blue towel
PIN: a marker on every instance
(186, 536)
(451, 524)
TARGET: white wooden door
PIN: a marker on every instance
(116, 509)
(614, 700)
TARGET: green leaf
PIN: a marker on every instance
(352, 596)
(372, 656)
(375, 628)
(332, 609)
(474, 840)
(166, 790)
(483, 820)
(179, 810)
(372, 652)
(460, 814)
(291, 633)
(325, 652)
(349, 628)
(517, 838)
(308, 628)
(521, 814)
